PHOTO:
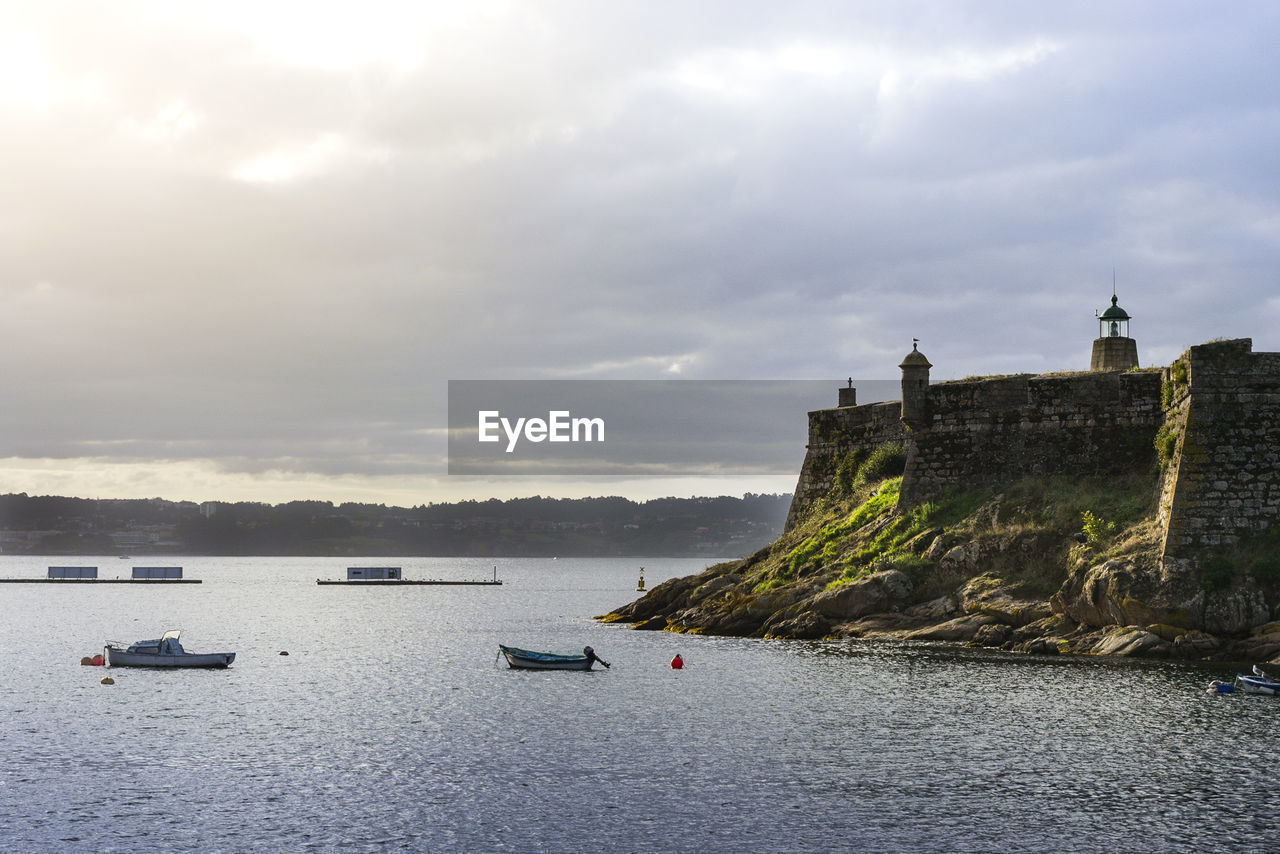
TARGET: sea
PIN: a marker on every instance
(391, 725)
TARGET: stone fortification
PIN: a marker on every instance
(835, 433)
(986, 431)
(1223, 479)
(1212, 419)
(991, 431)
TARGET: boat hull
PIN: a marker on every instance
(124, 658)
(1257, 684)
(523, 659)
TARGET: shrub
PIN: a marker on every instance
(845, 480)
(1166, 443)
(887, 460)
(1096, 530)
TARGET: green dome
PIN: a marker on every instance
(1115, 312)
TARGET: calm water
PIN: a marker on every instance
(389, 727)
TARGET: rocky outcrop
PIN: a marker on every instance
(967, 583)
(988, 595)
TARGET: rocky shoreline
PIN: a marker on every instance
(1122, 605)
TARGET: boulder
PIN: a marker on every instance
(880, 591)
(1054, 626)
(1196, 644)
(804, 625)
(1130, 641)
(935, 609)
(1124, 592)
(880, 626)
(1236, 610)
(960, 629)
(996, 634)
(988, 595)
(651, 624)
(964, 558)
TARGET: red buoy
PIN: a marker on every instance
(96, 661)
(677, 663)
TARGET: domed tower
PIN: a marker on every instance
(915, 389)
(1114, 350)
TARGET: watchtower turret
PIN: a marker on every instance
(915, 389)
(1114, 350)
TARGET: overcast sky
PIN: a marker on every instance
(245, 245)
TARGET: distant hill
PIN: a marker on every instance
(723, 526)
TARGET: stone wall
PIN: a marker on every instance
(833, 433)
(1219, 421)
(991, 431)
(1225, 482)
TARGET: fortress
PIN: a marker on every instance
(1210, 421)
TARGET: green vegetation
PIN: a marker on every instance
(899, 541)
(821, 548)
(1166, 443)
(1173, 380)
(858, 469)
(1096, 530)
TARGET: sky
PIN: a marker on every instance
(244, 246)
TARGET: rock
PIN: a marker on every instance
(960, 629)
(1041, 646)
(940, 545)
(1123, 592)
(923, 542)
(1235, 611)
(651, 624)
(1054, 626)
(716, 585)
(879, 626)
(987, 594)
(1256, 648)
(1131, 641)
(805, 625)
(964, 558)
(934, 609)
(879, 591)
(1196, 644)
(996, 634)
(1166, 632)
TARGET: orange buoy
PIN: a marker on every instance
(107, 680)
(677, 663)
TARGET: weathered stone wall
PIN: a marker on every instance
(1219, 421)
(834, 433)
(990, 431)
(1226, 480)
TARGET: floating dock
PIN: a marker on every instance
(390, 576)
(89, 575)
(404, 582)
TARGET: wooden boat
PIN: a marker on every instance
(1258, 683)
(165, 652)
(524, 659)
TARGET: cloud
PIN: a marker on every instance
(262, 238)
